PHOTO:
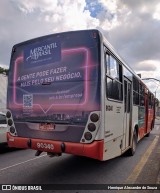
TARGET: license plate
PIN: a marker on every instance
(47, 126)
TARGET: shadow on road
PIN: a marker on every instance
(5, 149)
(74, 170)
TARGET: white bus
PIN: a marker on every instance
(3, 128)
(71, 93)
(3, 100)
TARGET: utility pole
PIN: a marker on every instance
(152, 79)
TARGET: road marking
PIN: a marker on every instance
(137, 170)
(158, 178)
(21, 163)
(157, 128)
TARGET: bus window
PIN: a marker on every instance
(113, 68)
(141, 95)
(129, 99)
(135, 91)
(106, 63)
(114, 79)
(151, 98)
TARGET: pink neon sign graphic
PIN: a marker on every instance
(84, 50)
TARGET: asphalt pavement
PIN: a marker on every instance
(21, 167)
(147, 171)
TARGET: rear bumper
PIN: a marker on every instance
(93, 150)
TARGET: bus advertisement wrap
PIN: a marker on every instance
(54, 79)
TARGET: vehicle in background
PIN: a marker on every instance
(3, 128)
(3, 101)
(3, 91)
(71, 93)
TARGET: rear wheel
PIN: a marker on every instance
(148, 134)
(132, 150)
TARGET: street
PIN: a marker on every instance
(22, 167)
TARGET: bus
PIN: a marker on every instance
(71, 93)
(3, 100)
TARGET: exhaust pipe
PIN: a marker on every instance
(38, 153)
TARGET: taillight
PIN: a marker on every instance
(88, 136)
(91, 127)
(10, 122)
(8, 114)
(12, 130)
(94, 117)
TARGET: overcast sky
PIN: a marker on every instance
(132, 27)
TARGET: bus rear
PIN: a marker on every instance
(54, 94)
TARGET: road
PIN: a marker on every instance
(22, 167)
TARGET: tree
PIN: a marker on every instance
(3, 70)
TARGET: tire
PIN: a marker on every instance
(148, 134)
(132, 150)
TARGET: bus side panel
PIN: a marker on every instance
(134, 117)
(113, 129)
(112, 148)
(150, 120)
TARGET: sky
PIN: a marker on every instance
(132, 27)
